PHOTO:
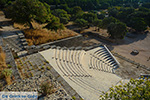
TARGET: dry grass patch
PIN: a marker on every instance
(2, 59)
(38, 35)
(4, 71)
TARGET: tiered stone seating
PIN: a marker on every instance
(68, 62)
(102, 60)
(87, 72)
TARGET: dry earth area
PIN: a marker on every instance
(128, 70)
(141, 43)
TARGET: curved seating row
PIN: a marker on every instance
(69, 63)
(102, 60)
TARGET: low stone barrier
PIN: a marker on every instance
(68, 42)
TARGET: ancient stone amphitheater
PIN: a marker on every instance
(88, 72)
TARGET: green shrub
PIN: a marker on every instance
(47, 88)
(135, 89)
(47, 61)
(7, 73)
(43, 67)
(74, 98)
(48, 68)
(32, 75)
(9, 66)
(19, 67)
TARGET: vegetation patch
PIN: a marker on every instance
(133, 90)
(47, 88)
(40, 36)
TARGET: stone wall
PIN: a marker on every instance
(68, 42)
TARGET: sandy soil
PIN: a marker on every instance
(141, 43)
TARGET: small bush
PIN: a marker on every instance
(43, 67)
(47, 61)
(48, 68)
(47, 88)
(9, 66)
(19, 67)
(16, 57)
(44, 63)
(74, 98)
(32, 75)
(7, 73)
(39, 69)
(27, 75)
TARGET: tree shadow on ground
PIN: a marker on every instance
(8, 33)
(5, 23)
(128, 40)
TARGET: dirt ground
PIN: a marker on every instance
(128, 70)
(141, 43)
(7, 28)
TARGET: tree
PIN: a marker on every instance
(138, 24)
(25, 11)
(101, 16)
(117, 30)
(106, 21)
(124, 12)
(104, 5)
(55, 24)
(2, 3)
(147, 18)
(66, 8)
(146, 5)
(81, 23)
(97, 23)
(113, 12)
(142, 9)
(133, 90)
(77, 10)
(142, 14)
(62, 14)
(90, 17)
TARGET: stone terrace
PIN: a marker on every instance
(32, 65)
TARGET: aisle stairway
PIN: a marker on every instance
(87, 72)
